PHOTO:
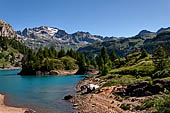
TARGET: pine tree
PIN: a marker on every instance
(94, 63)
(103, 62)
(61, 53)
(40, 54)
(113, 55)
(47, 65)
(82, 61)
(52, 52)
(144, 53)
(87, 61)
(160, 58)
(46, 53)
(104, 55)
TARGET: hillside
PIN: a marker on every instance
(138, 82)
(145, 39)
(11, 50)
(11, 53)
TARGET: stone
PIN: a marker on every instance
(6, 30)
(68, 97)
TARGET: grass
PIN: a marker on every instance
(4, 62)
(125, 80)
(125, 106)
(160, 104)
(135, 69)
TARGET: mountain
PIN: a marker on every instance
(124, 46)
(6, 30)
(163, 29)
(85, 42)
(11, 50)
(145, 34)
(47, 36)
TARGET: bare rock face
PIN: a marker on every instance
(6, 30)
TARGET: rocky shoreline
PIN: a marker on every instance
(60, 72)
(10, 109)
(11, 68)
(104, 99)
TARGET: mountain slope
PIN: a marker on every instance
(145, 39)
(46, 36)
(6, 30)
(11, 50)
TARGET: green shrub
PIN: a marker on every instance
(162, 74)
(125, 106)
(161, 104)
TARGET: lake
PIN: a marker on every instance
(43, 94)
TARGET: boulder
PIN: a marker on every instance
(68, 97)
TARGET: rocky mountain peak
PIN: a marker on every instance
(163, 29)
(6, 30)
(38, 32)
(146, 34)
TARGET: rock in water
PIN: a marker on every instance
(68, 97)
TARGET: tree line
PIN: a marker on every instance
(160, 58)
(45, 58)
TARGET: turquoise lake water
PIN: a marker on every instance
(43, 94)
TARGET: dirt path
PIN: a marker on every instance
(103, 102)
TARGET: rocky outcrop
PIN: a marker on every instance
(144, 88)
(68, 97)
(63, 72)
(87, 71)
(6, 30)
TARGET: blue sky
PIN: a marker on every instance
(100, 17)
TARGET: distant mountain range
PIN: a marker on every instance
(47, 36)
(124, 46)
(85, 42)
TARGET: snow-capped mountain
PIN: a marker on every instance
(47, 36)
(38, 32)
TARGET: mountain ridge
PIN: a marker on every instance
(6, 30)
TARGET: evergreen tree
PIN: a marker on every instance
(160, 58)
(103, 62)
(81, 61)
(40, 54)
(104, 55)
(46, 53)
(47, 65)
(105, 70)
(144, 53)
(94, 63)
(87, 61)
(113, 55)
(52, 52)
(61, 53)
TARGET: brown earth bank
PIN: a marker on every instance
(60, 72)
(10, 68)
(9, 109)
(57, 72)
(105, 99)
(52, 72)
